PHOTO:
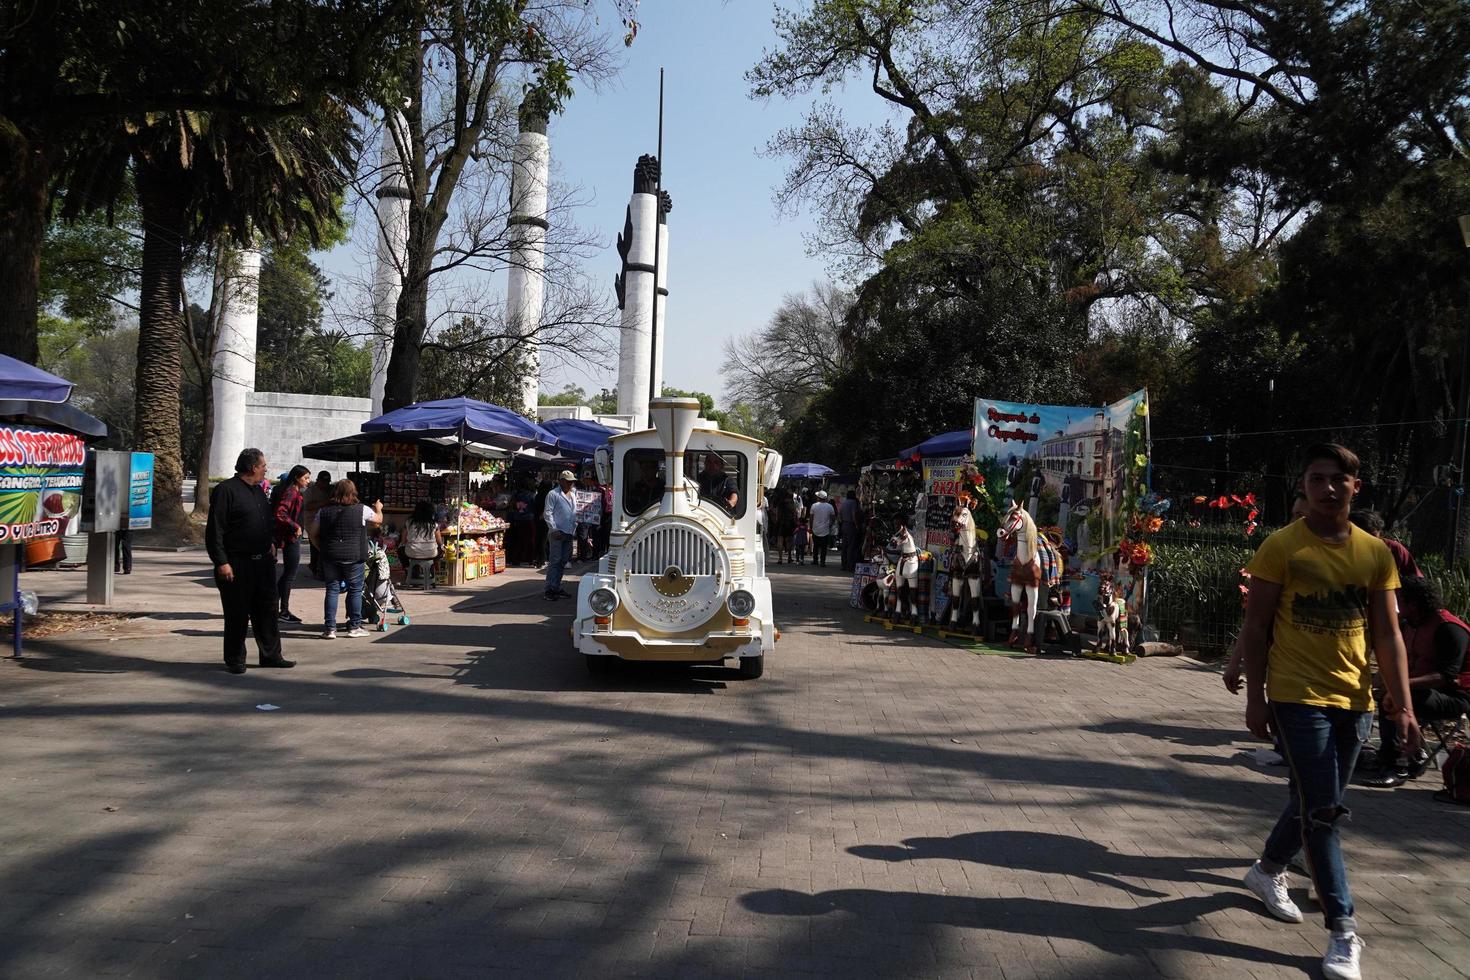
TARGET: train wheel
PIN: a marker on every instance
(752, 667)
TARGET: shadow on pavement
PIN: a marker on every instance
(1118, 931)
(1177, 734)
(1059, 854)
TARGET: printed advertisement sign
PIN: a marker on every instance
(140, 492)
(589, 506)
(941, 486)
(40, 482)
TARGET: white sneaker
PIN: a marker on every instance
(1341, 962)
(1271, 889)
(357, 631)
(329, 635)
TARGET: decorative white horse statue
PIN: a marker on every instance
(1025, 576)
(1112, 618)
(905, 575)
(966, 572)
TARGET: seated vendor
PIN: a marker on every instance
(1439, 678)
(715, 484)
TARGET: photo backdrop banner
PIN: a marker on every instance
(1083, 475)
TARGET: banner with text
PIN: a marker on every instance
(40, 482)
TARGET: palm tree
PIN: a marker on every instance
(200, 176)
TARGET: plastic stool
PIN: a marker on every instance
(420, 573)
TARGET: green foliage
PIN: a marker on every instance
(101, 364)
(569, 395)
(470, 359)
(1194, 595)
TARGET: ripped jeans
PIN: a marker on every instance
(1321, 746)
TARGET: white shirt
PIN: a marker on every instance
(824, 515)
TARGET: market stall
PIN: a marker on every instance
(447, 453)
(42, 456)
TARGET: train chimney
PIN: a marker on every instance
(674, 419)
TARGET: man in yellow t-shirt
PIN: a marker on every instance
(1320, 589)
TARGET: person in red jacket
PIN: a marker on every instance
(1439, 677)
(287, 502)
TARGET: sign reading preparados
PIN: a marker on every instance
(40, 482)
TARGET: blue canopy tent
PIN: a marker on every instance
(580, 436)
(467, 420)
(26, 382)
(805, 471)
(956, 443)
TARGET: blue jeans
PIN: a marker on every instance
(339, 574)
(1321, 746)
(560, 552)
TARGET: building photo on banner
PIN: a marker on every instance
(1082, 475)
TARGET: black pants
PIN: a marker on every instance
(852, 546)
(122, 548)
(290, 561)
(819, 551)
(250, 598)
(1429, 705)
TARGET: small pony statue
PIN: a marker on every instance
(1112, 618)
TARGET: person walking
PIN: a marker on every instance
(238, 537)
(1320, 589)
(317, 496)
(286, 504)
(824, 522)
(850, 519)
(561, 531)
(341, 532)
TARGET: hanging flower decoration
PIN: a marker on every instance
(1246, 502)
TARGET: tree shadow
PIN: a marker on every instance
(1025, 850)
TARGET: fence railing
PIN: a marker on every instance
(1194, 596)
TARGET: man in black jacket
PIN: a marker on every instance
(239, 537)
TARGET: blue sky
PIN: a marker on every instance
(732, 258)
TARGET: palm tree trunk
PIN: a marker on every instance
(23, 203)
(160, 341)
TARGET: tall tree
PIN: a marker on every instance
(455, 131)
(799, 354)
(72, 71)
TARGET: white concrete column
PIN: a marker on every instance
(636, 345)
(393, 198)
(526, 286)
(237, 277)
(662, 347)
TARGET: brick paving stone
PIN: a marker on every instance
(459, 798)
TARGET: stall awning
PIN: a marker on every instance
(956, 443)
(51, 415)
(805, 471)
(436, 452)
(20, 381)
(579, 435)
(466, 419)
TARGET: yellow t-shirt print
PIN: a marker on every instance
(1319, 641)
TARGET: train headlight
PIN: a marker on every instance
(602, 601)
(741, 604)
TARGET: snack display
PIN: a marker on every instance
(473, 519)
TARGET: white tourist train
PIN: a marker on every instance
(684, 578)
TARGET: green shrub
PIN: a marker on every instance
(1194, 596)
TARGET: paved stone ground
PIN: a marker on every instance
(459, 798)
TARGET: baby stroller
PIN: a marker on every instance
(379, 598)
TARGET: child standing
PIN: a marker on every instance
(801, 539)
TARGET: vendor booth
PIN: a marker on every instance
(455, 454)
(42, 458)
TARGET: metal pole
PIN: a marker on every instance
(658, 208)
(1458, 490)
